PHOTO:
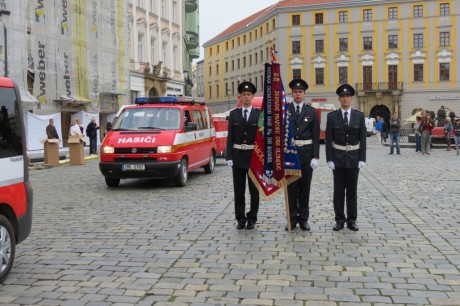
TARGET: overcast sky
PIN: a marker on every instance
(218, 15)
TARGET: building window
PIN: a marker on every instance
(367, 43)
(140, 47)
(210, 91)
(152, 6)
(343, 16)
(319, 76)
(343, 75)
(392, 41)
(418, 40)
(261, 56)
(393, 13)
(296, 73)
(217, 90)
(244, 61)
(444, 39)
(176, 58)
(343, 44)
(418, 72)
(164, 9)
(238, 66)
(210, 70)
(296, 47)
(250, 59)
(444, 9)
(153, 49)
(444, 71)
(319, 18)
(140, 4)
(295, 20)
(233, 65)
(226, 66)
(367, 15)
(319, 46)
(217, 68)
(418, 11)
(175, 12)
(255, 57)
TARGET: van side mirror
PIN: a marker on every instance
(191, 126)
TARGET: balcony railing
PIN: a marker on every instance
(380, 86)
(192, 40)
(191, 6)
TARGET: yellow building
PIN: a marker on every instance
(399, 55)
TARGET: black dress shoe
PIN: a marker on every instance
(293, 227)
(251, 225)
(338, 227)
(353, 226)
(304, 226)
(241, 225)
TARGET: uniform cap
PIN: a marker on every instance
(298, 84)
(345, 89)
(247, 86)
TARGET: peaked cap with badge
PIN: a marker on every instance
(298, 84)
(247, 86)
(345, 89)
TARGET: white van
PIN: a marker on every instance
(370, 126)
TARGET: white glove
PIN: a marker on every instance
(361, 164)
(314, 163)
(331, 165)
(230, 163)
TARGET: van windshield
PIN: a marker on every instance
(148, 118)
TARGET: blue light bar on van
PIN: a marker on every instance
(155, 100)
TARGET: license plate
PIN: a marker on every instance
(133, 167)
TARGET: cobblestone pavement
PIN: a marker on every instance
(148, 242)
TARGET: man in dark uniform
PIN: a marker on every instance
(242, 128)
(305, 125)
(345, 155)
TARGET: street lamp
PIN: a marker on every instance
(5, 37)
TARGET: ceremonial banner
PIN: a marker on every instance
(274, 161)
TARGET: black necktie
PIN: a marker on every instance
(345, 119)
(297, 112)
(245, 115)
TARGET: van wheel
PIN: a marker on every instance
(7, 247)
(112, 182)
(181, 178)
(209, 168)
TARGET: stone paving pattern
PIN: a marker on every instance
(148, 242)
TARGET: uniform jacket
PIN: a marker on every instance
(305, 126)
(241, 132)
(338, 134)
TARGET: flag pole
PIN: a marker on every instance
(286, 201)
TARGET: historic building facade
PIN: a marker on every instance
(400, 55)
(163, 42)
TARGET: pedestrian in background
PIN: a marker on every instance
(305, 125)
(395, 126)
(242, 128)
(75, 128)
(91, 132)
(447, 132)
(384, 130)
(51, 132)
(426, 126)
(378, 128)
(346, 154)
(457, 135)
(418, 135)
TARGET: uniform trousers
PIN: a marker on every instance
(239, 188)
(345, 186)
(299, 195)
